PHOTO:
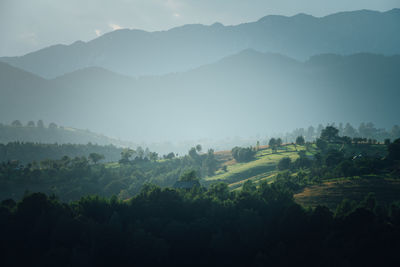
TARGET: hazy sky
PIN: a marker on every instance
(28, 25)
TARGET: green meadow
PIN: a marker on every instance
(263, 167)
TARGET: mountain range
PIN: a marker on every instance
(137, 52)
(240, 95)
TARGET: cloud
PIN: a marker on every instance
(97, 32)
(114, 26)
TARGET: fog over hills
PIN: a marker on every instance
(244, 94)
(136, 52)
(269, 143)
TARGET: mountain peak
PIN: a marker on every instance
(302, 15)
(394, 11)
(272, 17)
(120, 34)
(250, 51)
(78, 43)
(91, 72)
(217, 24)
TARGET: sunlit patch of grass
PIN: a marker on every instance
(112, 165)
(269, 177)
(263, 167)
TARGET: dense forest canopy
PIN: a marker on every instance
(255, 227)
(71, 178)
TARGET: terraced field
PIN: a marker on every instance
(263, 167)
(331, 193)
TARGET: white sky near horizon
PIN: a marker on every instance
(29, 25)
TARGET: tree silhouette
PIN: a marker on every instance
(321, 144)
(40, 124)
(188, 176)
(272, 144)
(300, 140)
(284, 163)
(126, 154)
(52, 125)
(330, 134)
(198, 148)
(95, 157)
(16, 123)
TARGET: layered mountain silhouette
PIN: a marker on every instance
(243, 94)
(136, 52)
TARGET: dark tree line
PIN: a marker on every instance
(364, 130)
(255, 227)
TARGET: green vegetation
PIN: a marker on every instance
(324, 195)
(257, 226)
(71, 178)
(295, 165)
(264, 166)
(367, 132)
(241, 154)
(222, 211)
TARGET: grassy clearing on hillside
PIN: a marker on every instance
(331, 193)
(263, 167)
(112, 165)
(269, 177)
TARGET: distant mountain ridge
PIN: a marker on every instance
(59, 135)
(136, 52)
(241, 95)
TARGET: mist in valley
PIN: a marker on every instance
(215, 82)
(199, 133)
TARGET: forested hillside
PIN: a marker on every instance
(25, 152)
(259, 224)
(71, 178)
(130, 136)
(255, 227)
(38, 132)
(295, 165)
